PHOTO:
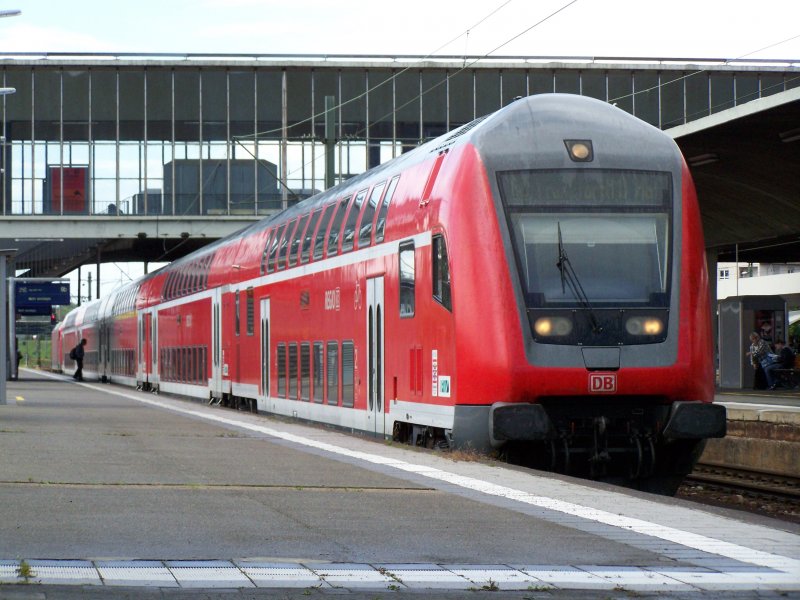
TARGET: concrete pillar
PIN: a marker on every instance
(712, 258)
(5, 342)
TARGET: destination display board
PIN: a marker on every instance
(41, 293)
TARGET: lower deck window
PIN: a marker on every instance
(332, 365)
(281, 366)
(305, 370)
(348, 389)
(317, 389)
(293, 371)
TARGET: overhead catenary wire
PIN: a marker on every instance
(422, 93)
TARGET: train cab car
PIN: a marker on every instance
(597, 357)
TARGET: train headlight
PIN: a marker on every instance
(580, 150)
(644, 326)
(549, 326)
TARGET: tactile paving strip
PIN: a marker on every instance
(392, 577)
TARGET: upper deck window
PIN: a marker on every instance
(274, 247)
(308, 238)
(319, 242)
(352, 218)
(336, 226)
(380, 223)
(365, 228)
(407, 280)
(297, 240)
(285, 243)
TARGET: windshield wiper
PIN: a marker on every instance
(570, 278)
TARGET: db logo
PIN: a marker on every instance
(602, 383)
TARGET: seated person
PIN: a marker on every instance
(785, 361)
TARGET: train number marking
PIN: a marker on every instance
(602, 383)
(434, 373)
(332, 299)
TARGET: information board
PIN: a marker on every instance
(37, 293)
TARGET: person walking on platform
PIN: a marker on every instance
(77, 355)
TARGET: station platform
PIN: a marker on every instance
(104, 488)
(763, 432)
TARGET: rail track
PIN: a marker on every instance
(764, 492)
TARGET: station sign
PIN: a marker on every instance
(38, 293)
(29, 310)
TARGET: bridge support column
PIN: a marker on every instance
(7, 346)
(712, 257)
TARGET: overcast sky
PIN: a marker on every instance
(671, 28)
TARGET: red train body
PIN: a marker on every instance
(533, 281)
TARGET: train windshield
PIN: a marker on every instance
(613, 228)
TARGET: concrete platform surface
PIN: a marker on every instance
(106, 486)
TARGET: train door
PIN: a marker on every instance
(265, 357)
(154, 378)
(375, 317)
(101, 350)
(145, 321)
(216, 344)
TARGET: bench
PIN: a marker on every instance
(787, 378)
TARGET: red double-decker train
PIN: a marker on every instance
(533, 281)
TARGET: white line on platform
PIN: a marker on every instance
(787, 566)
(394, 577)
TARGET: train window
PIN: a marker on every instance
(617, 224)
(297, 240)
(352, 219)
(194, 275)
(308, 238)
(441, 272)
(348, 389)
(167, 288)
(280, 364)
(407, 280)
(180, 365)
(305, 370)
(336, 226)
(265, 254)
(319, 242)
(251, 311)
(198, 365)
(380, 224)
(236, 301)
(184, 280)
(317, 389)
(293, 371)
(203, 364)
(365, 229)
(273, 250)
(286, 244)
(179, 284)
(332, 372)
